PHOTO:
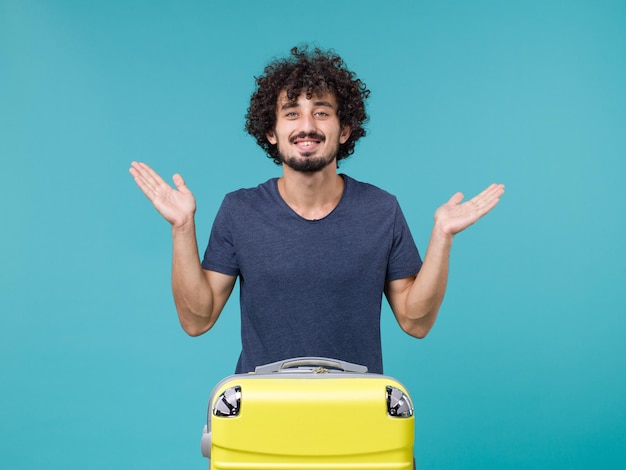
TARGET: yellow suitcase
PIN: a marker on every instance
(309, 413)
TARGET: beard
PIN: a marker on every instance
(305, 162)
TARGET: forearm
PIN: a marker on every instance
(427, 291)
(416, 301)
(193, 296)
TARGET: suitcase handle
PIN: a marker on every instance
(310, 362)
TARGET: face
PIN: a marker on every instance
(308, 132)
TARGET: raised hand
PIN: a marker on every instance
(454, 216)
(177, 206)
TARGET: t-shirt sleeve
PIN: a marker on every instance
(404, 259)
(220, 254)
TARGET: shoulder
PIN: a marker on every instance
(368, 193)
(245, 196)
(249, 206)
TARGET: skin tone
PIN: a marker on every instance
(308, 134)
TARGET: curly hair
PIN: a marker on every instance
(314, 73)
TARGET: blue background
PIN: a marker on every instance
(526, 365)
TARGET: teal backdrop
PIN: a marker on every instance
(526, 366)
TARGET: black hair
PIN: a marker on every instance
(314, 73)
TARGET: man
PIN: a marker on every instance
(314, 250)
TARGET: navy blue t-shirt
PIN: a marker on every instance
(311, 288)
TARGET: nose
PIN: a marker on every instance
(307, 123)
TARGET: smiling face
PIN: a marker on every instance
(308, 132)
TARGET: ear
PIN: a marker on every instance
(271, 137)
(345, 134)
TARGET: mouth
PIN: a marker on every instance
(307, 142)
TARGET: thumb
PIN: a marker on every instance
(456, 199)
(179, 182)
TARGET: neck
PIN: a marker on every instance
(311, 195)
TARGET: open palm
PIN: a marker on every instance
(454, 216)
(176, 205)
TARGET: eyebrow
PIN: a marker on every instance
(294, 104)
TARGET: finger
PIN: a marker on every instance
(150, 176)
(489, 193)
(488, 199)
(154, 185)
(456, 199)
(486, 192)
(179, 182)
(487, 206)
(148, 180)
(138, 175)
(141, 182)
(141, 168)
(494, 189)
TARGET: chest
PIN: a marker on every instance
(339, 246)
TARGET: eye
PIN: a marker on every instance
(322, 114)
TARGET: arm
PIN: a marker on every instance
(415, 301)
(199, 295)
